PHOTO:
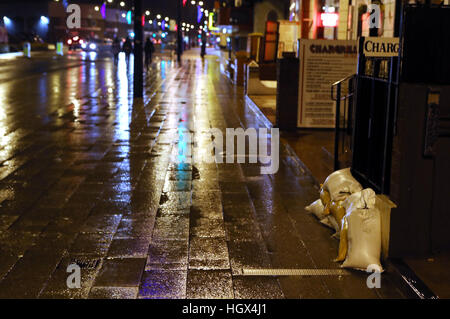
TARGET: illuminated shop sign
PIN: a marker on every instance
(381, 47)
(329, 19)
(333, 49)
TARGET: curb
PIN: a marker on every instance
(260, 115)
(10, 55)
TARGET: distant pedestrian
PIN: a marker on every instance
(116, 49)
(127, 48)
(149, 48)
(203, 48)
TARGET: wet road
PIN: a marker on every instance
(87, 176)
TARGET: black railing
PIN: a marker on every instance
(347, 98)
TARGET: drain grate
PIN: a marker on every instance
(295, 272)
(86, 263)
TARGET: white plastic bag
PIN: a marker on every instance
(341, 184)
(364, 231)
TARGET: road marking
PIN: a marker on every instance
(295, 272)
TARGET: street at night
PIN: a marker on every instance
(87, 177)
(190, 168)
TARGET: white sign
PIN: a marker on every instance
(381, 47)
(322, 63)
(289, 32)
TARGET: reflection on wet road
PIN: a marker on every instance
(87, 176)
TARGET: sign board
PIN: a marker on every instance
(380, 47)
(289, 32)
(322, 63)
(172, 25)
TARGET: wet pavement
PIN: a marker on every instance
(87, 176)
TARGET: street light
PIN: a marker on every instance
(45, 20)
(158, 16)
(96, 8)
(122, 4)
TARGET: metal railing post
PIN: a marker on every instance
(336, 131)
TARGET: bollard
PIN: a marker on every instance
(27, 50)
(241, 59)
(59, 48)
(287, 91)
(252, 74)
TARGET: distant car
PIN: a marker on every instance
(75, 42)
(96, 45)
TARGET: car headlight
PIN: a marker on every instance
(92, 46)
(83, 45)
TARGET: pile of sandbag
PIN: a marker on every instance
(354, 214)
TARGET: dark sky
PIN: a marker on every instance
(169, 7)
(163, 7)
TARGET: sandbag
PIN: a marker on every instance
(338, 211)
(326, 222)
(332, 221)
(362, 200)
(341, 184)
(326, 199)
(343, 241)
(317, 209)
(364, 231)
